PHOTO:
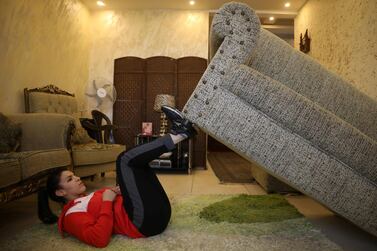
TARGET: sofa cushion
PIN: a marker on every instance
(43, 130)
(94, 153)
(52, 103)
(33, 162)
(80, 135)
(10, 135)
(56, 103)
(10, 172)
(277, 59)
(308, 119)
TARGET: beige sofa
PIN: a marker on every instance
(89, 158)
(300, 122)
(43, 148)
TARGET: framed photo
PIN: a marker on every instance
(146, 128)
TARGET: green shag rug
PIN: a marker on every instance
(205, 222)
(250, 209)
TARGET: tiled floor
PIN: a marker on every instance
(20, 214)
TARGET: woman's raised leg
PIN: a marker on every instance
(145, 200)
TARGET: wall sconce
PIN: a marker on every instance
(305, 42)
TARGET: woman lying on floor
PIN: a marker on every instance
(139, 207)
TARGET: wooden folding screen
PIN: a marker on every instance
(138, 81)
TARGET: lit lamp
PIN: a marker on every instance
(163, 99)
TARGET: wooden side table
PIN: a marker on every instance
(181, 158)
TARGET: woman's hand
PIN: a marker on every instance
(108, 195)
(116, 190)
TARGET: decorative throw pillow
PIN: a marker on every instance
(80, 135)
(10, 135)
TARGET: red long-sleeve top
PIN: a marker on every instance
(93, 221)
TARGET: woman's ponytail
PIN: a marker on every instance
(44, 211)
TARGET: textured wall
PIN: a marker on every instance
(344, 39)
(42, 42)
(146, 33)
(49, 41)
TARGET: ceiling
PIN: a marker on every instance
(261, 6)
(282, 25)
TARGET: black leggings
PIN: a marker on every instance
(145, 200)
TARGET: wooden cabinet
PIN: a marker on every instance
(178, 160)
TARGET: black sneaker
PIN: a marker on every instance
(180, 125)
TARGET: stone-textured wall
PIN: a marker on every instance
(344, 38)
(42, 42)
(60, 42)
(144, 33)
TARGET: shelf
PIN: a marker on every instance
(178, 160)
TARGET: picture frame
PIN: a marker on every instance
(146, 128)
